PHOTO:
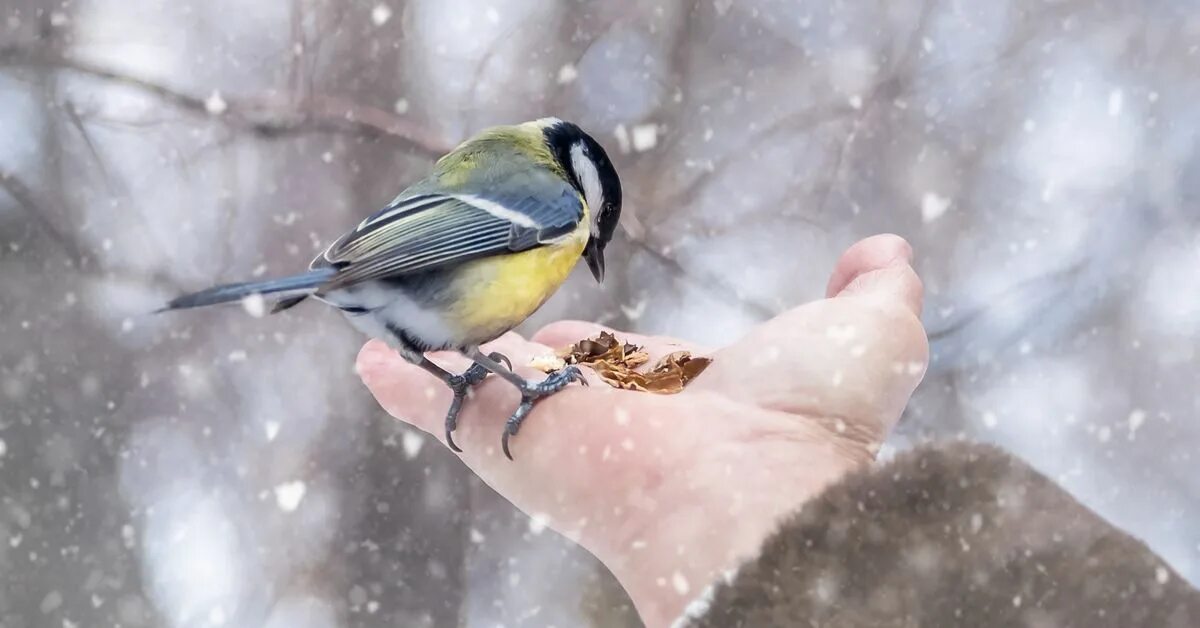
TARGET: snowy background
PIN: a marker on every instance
(214, 469)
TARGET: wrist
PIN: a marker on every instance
(707, 526)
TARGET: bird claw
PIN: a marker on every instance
(461, 385)
(531, 393)
(500, 357)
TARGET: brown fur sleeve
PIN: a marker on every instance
(954, 535)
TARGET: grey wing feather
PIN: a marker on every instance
(424, 232)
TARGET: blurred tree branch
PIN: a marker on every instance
(711, 283)
(27, 200)
(75, 251)
(264, 116)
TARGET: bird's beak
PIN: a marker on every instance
(594, 254)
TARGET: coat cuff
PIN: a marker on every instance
(957, 534)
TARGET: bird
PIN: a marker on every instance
(464, 255)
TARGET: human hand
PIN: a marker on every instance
(670, 490)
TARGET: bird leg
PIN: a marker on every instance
(531, 391)
(461, 386)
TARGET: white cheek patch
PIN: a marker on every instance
(589, 178)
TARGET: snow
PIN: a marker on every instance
(1161, 575)
(645, 137)
(567, 74)
(1116, 101)
(381, 14)
(538, 523)
(255, 305)
(636, 310)
(288, 495)
(1136, 418)
(680, 583)
(215, 104)
(1060, 139)
(841, 334)
(622, 136)
(411, 442)
(933, 206)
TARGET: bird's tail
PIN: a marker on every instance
(285, 289)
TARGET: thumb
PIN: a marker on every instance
(878, 268)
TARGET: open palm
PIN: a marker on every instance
(677, 488)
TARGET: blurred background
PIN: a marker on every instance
(216, 469)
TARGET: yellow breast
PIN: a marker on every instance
(498, 293)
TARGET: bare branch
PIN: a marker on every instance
(886, 89)
(1061, 275)
(265, 116)
(93, 151)
(712, 284)
(27, 200)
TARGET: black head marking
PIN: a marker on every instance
(599, 186)
(567, 141)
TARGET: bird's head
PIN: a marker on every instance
(591, 172)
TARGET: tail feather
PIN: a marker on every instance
(287, 289)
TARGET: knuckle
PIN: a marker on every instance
(900, 330)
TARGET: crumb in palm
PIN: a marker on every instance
(619, 364)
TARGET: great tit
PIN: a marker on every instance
(466, 254)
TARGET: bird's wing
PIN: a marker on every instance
(426, 231)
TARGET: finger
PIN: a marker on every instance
(858, 355)
(867, 255)
(412, 394)
(405, 390)
(897, 285)
(836, 358)
(562, 334)
(560, 447)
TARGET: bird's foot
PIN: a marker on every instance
(462, 385)
(531, 392)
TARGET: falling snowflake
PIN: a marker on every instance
(567, 74)
(255, 305)
(412, 443)
(381, 14)
(680, 583)
(215, 104)
(1116, 101)
(538, 523)
(289, 495)
(933, 206)
(645, 137)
